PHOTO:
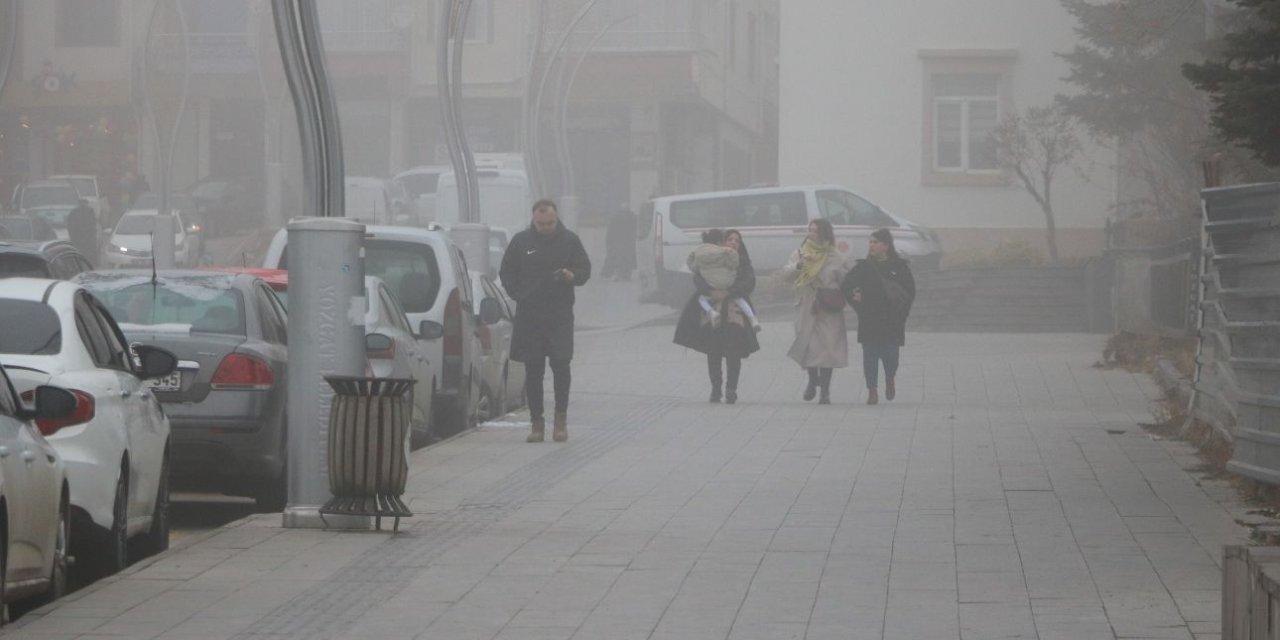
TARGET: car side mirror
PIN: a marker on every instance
(154, 362)
(52, 404)
(490, 311)
(430, 330)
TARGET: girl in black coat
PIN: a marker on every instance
(881, 290)
(734, 338)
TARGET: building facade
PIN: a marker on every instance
(898, 101)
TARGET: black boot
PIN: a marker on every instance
(824, 381)
(714, 372)
(811, 390)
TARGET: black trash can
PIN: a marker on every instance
(369, 446)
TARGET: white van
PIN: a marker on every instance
(505, 199)
(773, 222)
(419, 185)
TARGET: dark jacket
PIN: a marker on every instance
(877, 322)
(544, 311)
(82, 230)
(730, 339)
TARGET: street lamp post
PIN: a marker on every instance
(163, 229)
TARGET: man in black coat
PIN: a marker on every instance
(82, 230)
(539, 270)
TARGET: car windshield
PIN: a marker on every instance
(30, 328)
(49, 195)
(196, 304)
(56, 217)
(22, 265)
(142, 225)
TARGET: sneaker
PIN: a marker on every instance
(889, 391)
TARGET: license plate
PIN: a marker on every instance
(171, 382)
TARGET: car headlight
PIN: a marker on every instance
(115, 248)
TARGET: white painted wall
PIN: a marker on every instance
(852, 104)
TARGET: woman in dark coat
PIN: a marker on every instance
(734, 338)
(881, 289)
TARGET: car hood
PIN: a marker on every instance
(139, 242)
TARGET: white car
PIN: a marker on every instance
(116, 455)
(427, 274)
(130, 242)
(86, 187)
(34, 498)
(502, 380)
(419, 185)
(394, 352)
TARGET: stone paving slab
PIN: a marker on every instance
(1008, 492)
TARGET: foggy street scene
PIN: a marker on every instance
(639, 319)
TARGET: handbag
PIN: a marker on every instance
(828, 300)
(895, 294)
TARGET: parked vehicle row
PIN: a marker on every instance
(70, 370)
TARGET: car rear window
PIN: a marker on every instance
(410, 270)
(197, 305)
(733, 212)
(18, 265)
(30, 328)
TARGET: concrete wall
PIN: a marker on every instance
(853, 104)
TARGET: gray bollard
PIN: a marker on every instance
(162, 231)
(326, 338)
(473, 241)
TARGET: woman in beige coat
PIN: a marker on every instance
(821, 342)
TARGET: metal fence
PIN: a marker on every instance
(1237, 382)
(1154, 266)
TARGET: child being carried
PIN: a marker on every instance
(718, 266)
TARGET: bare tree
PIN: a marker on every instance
(1035, 145)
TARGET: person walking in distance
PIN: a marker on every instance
(881, 290)
(83, 231)
(821, 343)
(540, 268)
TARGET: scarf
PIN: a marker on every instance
(815, 257)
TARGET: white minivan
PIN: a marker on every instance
(505, 199)
(773, 222)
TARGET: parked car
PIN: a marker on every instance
(35, 521)
(428, 276)
(86, 187)
(129, 244)
(116, 445)
(393, 351)
(183, 206)
(419, 184)
(30, 227)
(773, 221)
(502, 380)
(43, 193)
(57, 259)
(226, 400)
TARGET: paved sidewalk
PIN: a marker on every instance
(1008, 493)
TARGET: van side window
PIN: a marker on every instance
(755, 210)
(844, 208)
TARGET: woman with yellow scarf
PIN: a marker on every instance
(821, 343)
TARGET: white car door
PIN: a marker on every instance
(24, 552)
(147, 425)
(396, 322)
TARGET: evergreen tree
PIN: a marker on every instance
(1242, 79)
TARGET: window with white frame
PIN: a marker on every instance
(966, 109)
(965, 92)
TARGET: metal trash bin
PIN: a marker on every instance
(369, 447)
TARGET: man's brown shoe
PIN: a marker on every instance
(873, 397)
(538, 434)
(889, 391)
(561, 431)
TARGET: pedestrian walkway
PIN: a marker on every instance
(1009, 492)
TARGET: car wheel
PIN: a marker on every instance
(157, 538)
(115, 547)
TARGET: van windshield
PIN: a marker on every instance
(735, 212)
